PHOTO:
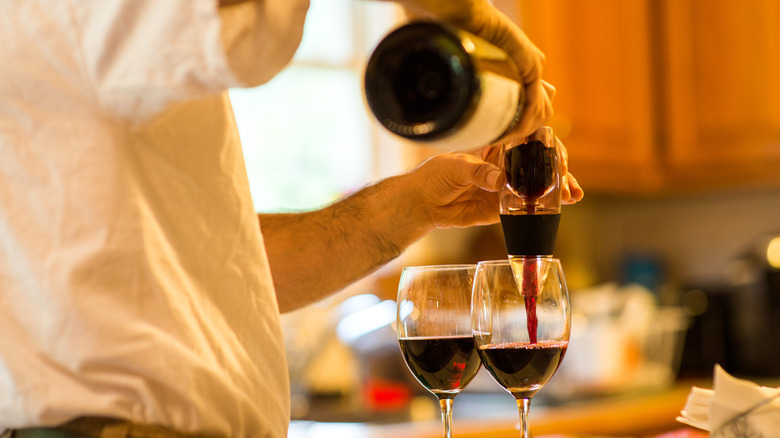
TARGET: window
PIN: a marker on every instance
(307, 136)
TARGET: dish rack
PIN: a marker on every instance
(607, 357)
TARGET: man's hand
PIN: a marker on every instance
(457, 190)
(460, 190)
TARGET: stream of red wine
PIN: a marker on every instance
(530, 292)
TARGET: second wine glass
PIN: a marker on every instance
(434, 330)
(521, 324)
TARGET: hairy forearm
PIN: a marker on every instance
(314, 254)
(317, 253)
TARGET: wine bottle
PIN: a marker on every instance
(433, 83)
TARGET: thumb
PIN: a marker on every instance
(488, 177)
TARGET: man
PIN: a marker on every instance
(138, 296)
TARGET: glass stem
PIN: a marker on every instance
(446, 415)
(523, 405)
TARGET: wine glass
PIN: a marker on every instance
(434, 330)
(521, 323)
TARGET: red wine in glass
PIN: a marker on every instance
(523, 367)
(444, 365)
(516, 364)
(433, 320)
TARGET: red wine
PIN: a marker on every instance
(530, 169)
(443, 365)
(530, 293)
(523, 368)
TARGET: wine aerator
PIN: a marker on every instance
(530, 200)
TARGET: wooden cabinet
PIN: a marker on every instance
(662, 96)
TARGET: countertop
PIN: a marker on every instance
(638, 414)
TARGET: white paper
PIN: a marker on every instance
(734, 408)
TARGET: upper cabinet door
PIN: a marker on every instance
(721, 105)
(662, 96)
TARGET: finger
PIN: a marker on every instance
(538, 109)
(565, 190)
(500, 30)
(572, 191)
(467, 171)
(527, 57)
(549, 89)
(490, 154)
(577, 193)
(488, 177)
(563, 155)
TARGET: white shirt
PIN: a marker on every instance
(133, 277)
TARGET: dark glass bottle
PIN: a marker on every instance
(433, 83)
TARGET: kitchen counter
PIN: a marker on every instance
(630, 415)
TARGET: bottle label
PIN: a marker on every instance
(495, 111)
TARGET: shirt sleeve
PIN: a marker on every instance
(260, 37)
(143, 55)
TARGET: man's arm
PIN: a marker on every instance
(316, 253)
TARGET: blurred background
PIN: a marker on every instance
(670, 111)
